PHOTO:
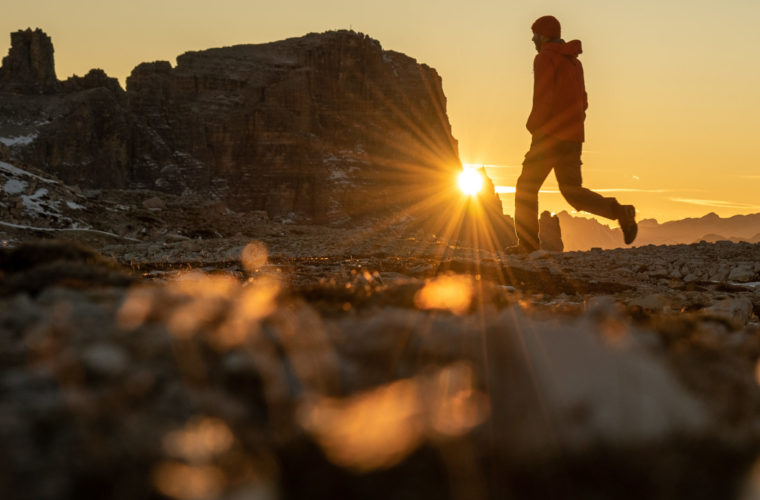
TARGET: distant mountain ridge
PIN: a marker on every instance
(580, 233)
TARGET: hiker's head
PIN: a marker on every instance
(544, 29)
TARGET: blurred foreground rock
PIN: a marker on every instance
(269, 375)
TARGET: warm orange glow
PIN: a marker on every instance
(457, 407)
(136, 308)
(188, 482)
(380, 427)
(470, 181)
(371, 430)
(207, 298)
(255, 302)
(200, 440)
(452, 293)
(254, 256)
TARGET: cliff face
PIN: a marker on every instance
(301, 126)
(324, 128)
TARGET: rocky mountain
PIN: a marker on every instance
(580, 233)
(325, 128)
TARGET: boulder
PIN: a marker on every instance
(742, 273)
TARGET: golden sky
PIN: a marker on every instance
(674, 85)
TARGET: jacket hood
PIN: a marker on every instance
(572, 48)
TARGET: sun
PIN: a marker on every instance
(470, 181)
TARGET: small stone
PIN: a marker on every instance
(174, 238)
(742, 273)
(720, 275)
(735, 312)
(154, 203)
(106, 359)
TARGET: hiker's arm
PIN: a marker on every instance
(543, 90)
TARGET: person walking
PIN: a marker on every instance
(556, 126)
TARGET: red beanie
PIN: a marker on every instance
(547, 26)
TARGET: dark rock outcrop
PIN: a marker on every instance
(78, 130)
(549, 232)
(95, 78)
(29, 67)
(326, 128)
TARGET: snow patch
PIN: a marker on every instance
(19, 140)
(10, 169)
(74, 206)
(35, 203)
(750, 284)
(15, 186)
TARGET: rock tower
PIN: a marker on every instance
(29, 67)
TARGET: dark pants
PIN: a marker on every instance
(564, 157)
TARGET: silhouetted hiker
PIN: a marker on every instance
(556, 123)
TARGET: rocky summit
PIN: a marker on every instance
(248, 276)
(29, 67)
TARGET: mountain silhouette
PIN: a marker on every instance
(581, 233)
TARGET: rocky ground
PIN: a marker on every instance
(203, 354)
(156, 346)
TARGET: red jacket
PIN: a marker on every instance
(559, 92)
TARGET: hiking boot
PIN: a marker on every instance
(627, 220)
(519, 250)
